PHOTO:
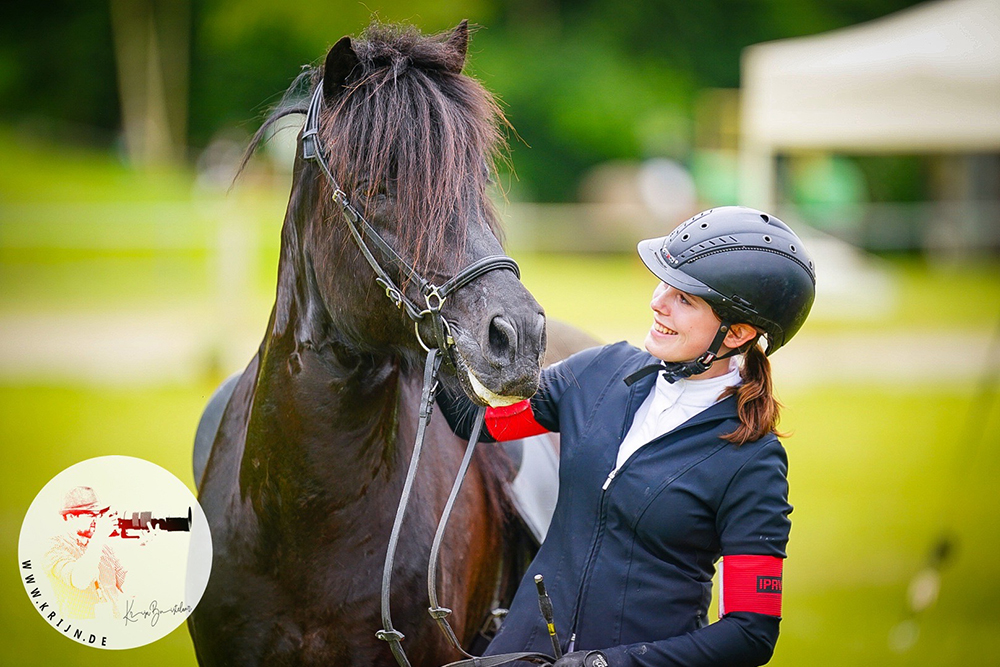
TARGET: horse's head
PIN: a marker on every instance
(411, 141)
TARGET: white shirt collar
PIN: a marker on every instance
(694, 392)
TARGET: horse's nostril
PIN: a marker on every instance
(502, 339)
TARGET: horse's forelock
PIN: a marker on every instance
(401, 46)
(406, 117)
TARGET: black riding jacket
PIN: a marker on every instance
(629, 559)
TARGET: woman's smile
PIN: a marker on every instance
(661, 329)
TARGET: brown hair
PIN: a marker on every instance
(756, 405)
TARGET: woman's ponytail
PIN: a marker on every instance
(756, 405)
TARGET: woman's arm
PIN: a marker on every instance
(741, 639)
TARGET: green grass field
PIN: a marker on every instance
(878, 467)
(872, 470)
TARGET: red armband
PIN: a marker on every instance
(513, 422)
(750, 583)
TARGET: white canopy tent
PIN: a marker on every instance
(925, 79)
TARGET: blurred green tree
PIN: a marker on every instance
(582, 81)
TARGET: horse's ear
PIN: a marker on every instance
(458, 41)
(340, 62)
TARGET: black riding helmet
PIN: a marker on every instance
(748, 265)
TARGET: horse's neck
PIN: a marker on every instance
(323, 417)
(315, 411)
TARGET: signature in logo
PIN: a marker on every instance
(153, 612)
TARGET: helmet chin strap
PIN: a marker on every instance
(678, 370)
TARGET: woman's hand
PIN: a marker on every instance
(583, 659)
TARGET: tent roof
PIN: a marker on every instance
(926, 78)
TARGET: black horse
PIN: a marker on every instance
(309, 459)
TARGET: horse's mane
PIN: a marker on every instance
(408, 122)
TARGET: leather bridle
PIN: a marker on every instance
(367, 238)
(364, 234)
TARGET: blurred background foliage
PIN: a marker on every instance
(582, 82)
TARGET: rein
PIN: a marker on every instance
(367, 238)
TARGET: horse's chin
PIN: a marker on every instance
(478, 391)
(488, 397)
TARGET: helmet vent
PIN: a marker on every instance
(767, 239)
(792, 247)
(764, 218)
(704, 225)
(685, 237)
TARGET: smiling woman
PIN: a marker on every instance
(669, 461)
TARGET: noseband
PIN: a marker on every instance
(441, 346)
(434, 295)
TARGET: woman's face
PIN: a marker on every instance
(683, 325)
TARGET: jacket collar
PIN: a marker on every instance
(721, 411)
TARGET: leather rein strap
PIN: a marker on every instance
(366, 238)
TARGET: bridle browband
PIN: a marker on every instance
(434, 295)
(440, 347)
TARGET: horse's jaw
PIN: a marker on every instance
(474, 385)
(488, 397)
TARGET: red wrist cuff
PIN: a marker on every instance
(513, 422)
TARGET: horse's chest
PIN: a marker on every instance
(327, 619)
(282, 635)
(312, 643)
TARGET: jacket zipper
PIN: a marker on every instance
(600, 528)
(594, 547)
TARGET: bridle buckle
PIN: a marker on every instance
(390, 291)
(445, 329)
(434, 294)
